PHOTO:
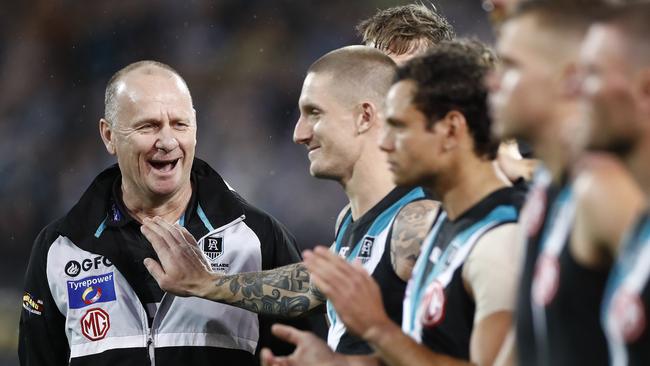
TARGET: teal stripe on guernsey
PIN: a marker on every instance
(380, 223)
(101, 228)
(206, 222)
(626, 262)
(499, 215)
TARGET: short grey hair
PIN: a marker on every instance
(110, 96)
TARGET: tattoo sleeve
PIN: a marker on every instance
(285, 291)
(409, 230)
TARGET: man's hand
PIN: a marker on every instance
(354, 294)
(183, 269)
(310, 350)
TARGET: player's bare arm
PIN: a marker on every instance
(603, 217)
(183, 270)
(411, 226)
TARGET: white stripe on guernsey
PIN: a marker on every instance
(634, 283)
(337, 328)
(446, 276)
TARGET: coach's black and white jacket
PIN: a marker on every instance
(80, 306)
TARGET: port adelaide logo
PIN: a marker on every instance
(213, 247)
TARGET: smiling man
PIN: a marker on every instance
(88, 297)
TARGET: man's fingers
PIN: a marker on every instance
(158, 243)
(289, 334)
(329, 268)
(267, 358)
(155, 269)
(188, 237)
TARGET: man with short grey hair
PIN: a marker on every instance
(88, 296)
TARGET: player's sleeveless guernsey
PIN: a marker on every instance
(626, 304)
(438, 311)
(368, 239)
(557, 309)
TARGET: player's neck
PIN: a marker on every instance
(559, 144)
(637, 163)
(170, 208)
(467, 185)
(369, 183)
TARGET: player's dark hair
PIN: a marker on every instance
(400, 28)
(450, 77)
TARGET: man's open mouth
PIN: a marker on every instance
(163, 165)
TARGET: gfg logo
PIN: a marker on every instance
(73, 268)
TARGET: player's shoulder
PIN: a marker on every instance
(596, 177)
(422, 212)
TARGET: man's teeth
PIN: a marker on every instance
(163, 166)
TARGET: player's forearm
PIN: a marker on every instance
(284, 291)
(395, 348)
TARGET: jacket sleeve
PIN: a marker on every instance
(42, 339)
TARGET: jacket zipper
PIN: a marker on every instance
(151, 347)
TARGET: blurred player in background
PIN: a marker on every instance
(572, 221)
(615, 88)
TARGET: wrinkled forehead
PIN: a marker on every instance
(146, 93)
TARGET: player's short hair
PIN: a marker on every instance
(450, 77)
(147, 67)
(401, 28)
(360, 69)
(633, 20)
(562, 16)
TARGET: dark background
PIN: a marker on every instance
(244, 62)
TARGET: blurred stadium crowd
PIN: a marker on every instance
(244, 62)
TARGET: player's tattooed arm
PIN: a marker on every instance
(284, 291)
(411, 226)
(183, 270)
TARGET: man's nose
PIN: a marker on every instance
(302, 133)
(166, 139)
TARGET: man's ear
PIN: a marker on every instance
(106, 132)
(367, 117)
(453, 127)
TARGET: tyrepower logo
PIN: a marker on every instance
(95, 324)
(90, 290)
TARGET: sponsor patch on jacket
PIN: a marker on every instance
(32, 305)
(91, 290)
(95, 323)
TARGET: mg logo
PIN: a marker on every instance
(213, 247)
(95, 324)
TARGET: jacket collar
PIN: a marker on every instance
(101, 204)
